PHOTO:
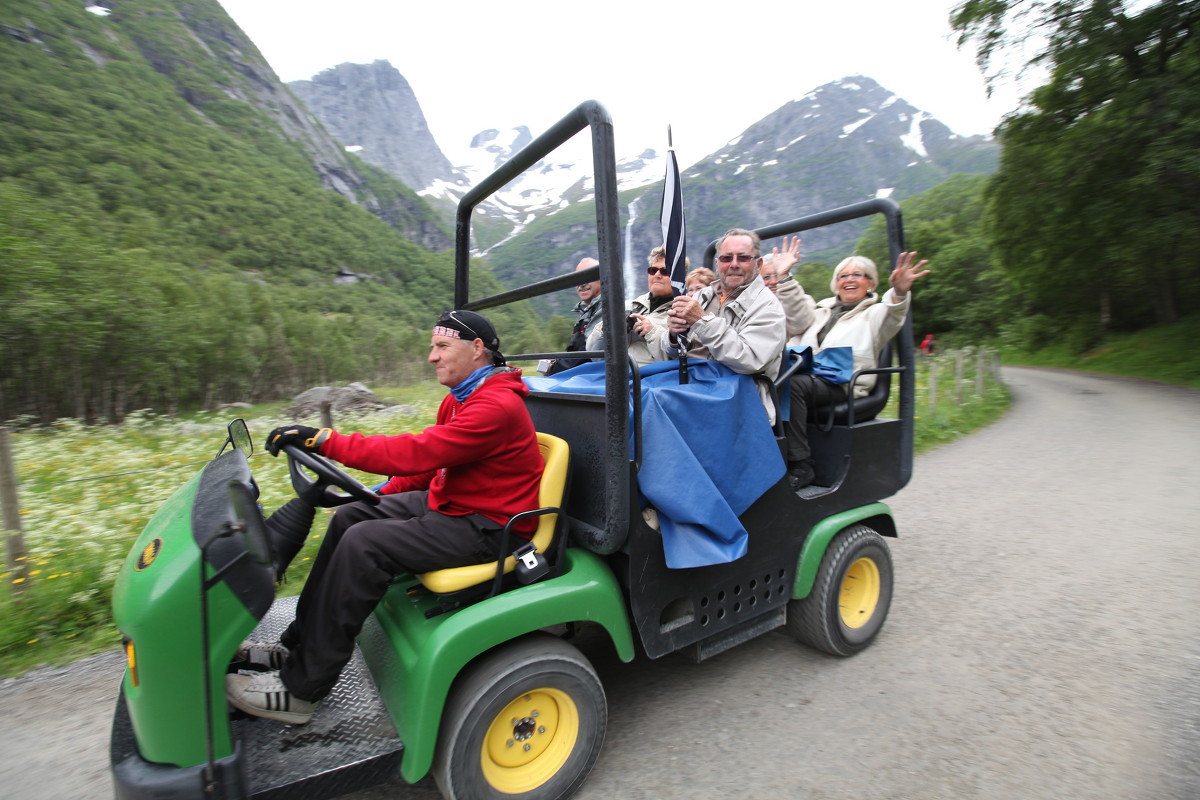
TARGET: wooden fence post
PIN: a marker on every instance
(980, 360)
(14, 542)
(933, 389)
(958, 376)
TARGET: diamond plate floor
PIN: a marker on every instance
(349, 744)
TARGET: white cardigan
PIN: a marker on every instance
(866, 329)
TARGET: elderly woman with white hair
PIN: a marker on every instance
(854, 317)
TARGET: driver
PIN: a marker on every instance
(454, 487)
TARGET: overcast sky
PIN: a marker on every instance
(708, 73)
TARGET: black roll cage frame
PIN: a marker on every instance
(593, 115)
(617, 465)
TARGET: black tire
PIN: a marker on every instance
(851, 595)
(526, 721)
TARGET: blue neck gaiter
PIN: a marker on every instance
(470, 383)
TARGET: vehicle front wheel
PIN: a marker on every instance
(525, 721)
(850, 597)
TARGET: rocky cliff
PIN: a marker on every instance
(842, 143)
(371, 109)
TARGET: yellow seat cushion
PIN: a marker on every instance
(556, 455)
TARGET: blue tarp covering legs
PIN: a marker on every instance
(708, 452)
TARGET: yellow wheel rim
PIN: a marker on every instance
(529, 741)
(860, 593)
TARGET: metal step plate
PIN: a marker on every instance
(350, 743)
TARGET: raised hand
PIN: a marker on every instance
(784, 259)
(906, 273)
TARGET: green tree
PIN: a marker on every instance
(1093, 211)
(964, 293)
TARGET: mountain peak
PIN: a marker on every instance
(371, 109)
(845, 141)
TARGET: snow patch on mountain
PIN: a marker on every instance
(547, 186)
(853, 126)
(913, 139)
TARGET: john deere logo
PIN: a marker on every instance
(149, 554)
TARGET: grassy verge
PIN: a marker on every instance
(957, 392)
(1162, 353)
(87, 492)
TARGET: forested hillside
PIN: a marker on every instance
(175, 232)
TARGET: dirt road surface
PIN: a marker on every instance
(1043, 642)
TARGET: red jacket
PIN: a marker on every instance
(481, 457)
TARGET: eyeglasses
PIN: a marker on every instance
(742, 258)
(657, 271)
(845, 276)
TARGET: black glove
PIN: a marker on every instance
(302, 436)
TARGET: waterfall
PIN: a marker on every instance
(632, 280)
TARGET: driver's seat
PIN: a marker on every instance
(556, 456)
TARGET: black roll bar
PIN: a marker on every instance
(588, 114)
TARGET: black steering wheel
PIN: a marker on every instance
(322, 490)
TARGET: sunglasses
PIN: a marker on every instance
(727, 258)
(658, 271)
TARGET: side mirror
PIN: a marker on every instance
(239, 438)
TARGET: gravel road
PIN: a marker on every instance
(1043, 641)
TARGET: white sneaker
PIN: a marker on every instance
(264, 695)
(267, 654)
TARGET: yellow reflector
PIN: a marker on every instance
(131, 662)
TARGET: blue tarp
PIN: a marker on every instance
(708, 452)
(834, 364)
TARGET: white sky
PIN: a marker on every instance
(475, 65)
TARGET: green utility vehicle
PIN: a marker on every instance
(471, 674)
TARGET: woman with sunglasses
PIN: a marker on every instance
(647, 320)
(647, 313)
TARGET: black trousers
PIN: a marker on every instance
(364, 548)
(807, 390)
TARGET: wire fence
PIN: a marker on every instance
(14, 541)
(950, 375)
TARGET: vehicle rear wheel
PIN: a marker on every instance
(526, 721)
(850, 597)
